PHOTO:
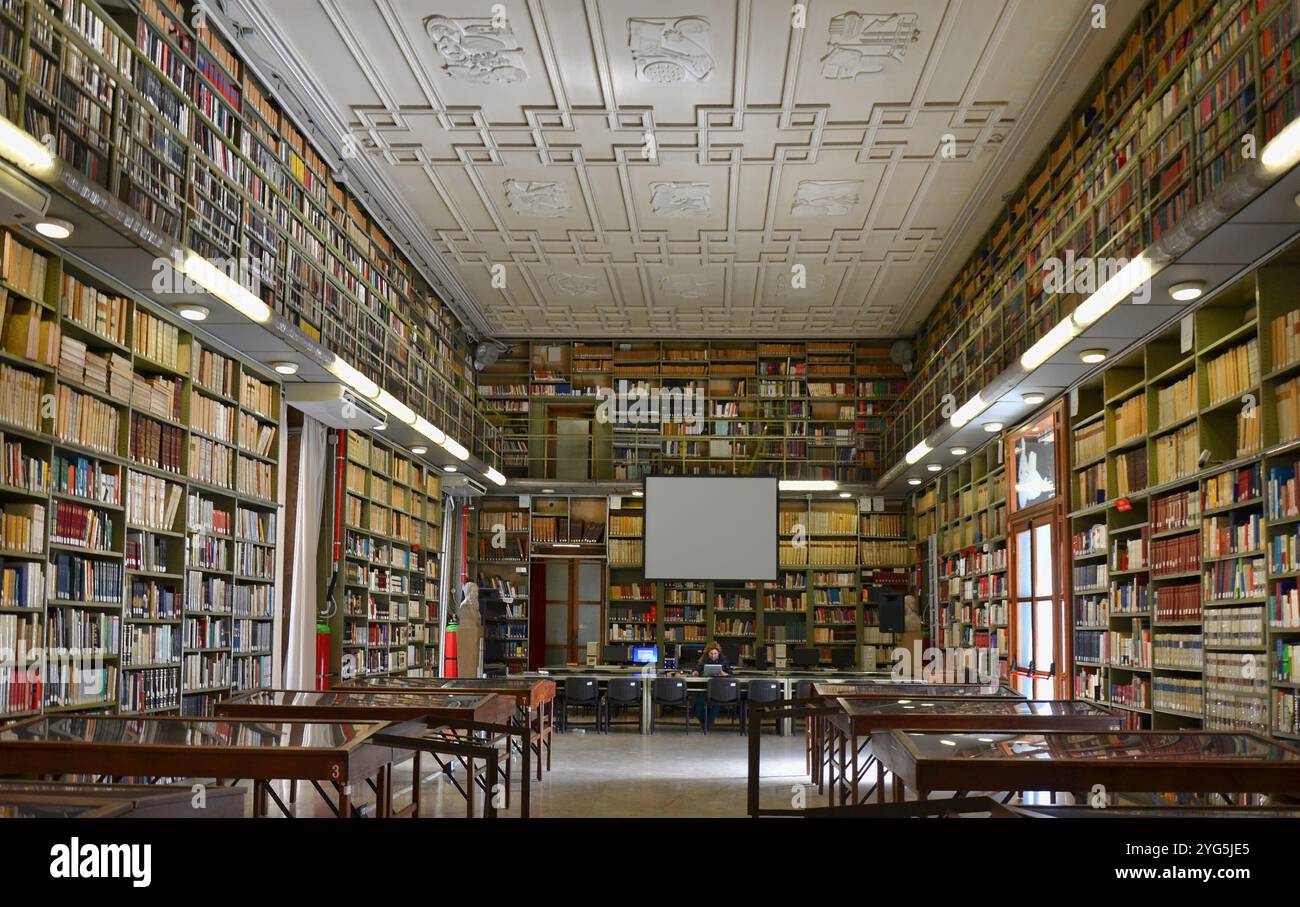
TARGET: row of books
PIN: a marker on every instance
(1235, 579)
(1173, 512)
(1237, 534)
(1090, 442)
(1233, 373)
(1176, 554)
(1176, 454)
(103, 314)
(22, 527)
(1176, 402)
(1131, 418)
(1232, 487)
(81, 526)
(1178, 602)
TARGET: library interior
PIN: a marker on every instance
(533, 410)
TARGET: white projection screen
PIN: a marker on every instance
(704, 528)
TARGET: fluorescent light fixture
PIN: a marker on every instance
(23, 149)
(913, 481)
(1114, 291)
(958, 451)
(430, 431)
(992, 427)
(968, 410)
(455, 448)
(419, 450)
(935, 467)
(54, 228)
(348, 373)
(1093, 356)
(226, 288)
(917, 453)
(638, 494)
(495, 476)
(1281, 153)
(285, 368)
(1034, 398)
(1049, 345)
(399, 410)
(548, 491)
(449, 469)
(807, 485)
(1187, 290)
(846, 494)
(193, 312)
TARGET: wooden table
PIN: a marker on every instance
(1131, 761)
(338, 753)
(451, 716)
(142, 801)
(818, 745)
(852, 726)
(535, 697)
(61, 806)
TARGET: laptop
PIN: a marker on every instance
(712, 670)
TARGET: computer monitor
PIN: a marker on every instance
(842, 657)
(689, 654)
(645, 655)
(731, 652)
(614, 655)
(805, 657)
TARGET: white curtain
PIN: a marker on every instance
(313, 454)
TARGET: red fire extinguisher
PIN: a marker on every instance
(322, 656)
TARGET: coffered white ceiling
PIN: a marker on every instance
(522, 142)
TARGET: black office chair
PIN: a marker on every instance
(761, 691)
(580, 693)
(724, 693)
(621, 694)
(669, 693)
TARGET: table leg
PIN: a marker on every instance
(880, 781)
(345, 799)
(489, 801)
(525, 785)
(899, 792)
(853, 786)
(415, 785)
(469, 787)
(259, 799)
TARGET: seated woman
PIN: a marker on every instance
(712, 663)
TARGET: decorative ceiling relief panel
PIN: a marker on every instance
(477, 50)
(662, 168)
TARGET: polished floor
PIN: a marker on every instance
(625, 774)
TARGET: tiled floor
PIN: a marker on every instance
(626, 774)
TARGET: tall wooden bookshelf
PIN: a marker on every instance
(811, 409)
(132, 534)
(966, 510)
(1185, 515)
(391, 542)
(500, 561)
(1159, 129)
(169, 119)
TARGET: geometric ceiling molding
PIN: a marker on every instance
(644, 172)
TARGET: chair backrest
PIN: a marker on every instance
(580, 689)
(623, 689)
(804, 689)
(724, 689)
(669, 689)
(764, 691)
